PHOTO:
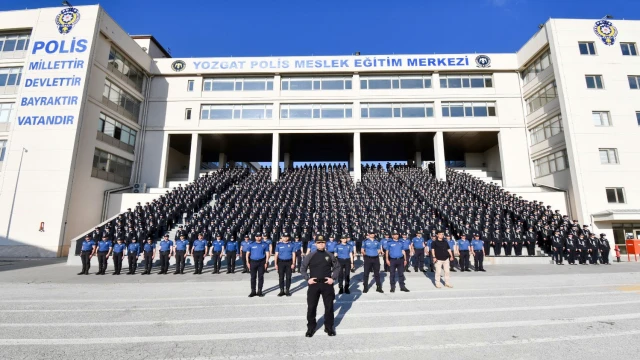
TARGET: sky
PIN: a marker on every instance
(222, 28)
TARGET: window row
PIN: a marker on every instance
(547, 129)
(537, 66)
(230, 112)
(551, 163)
(541, 97)
(316, 111)
(411, 110)
(125, 68)
(13, 42)
(10, 76)
(123, 102)
(6, 112)
(468, 109)
(110, 167)
(466, 81)
(319, 83)
(236, 84)
(117, 130)
(589, 48)
(395, 82)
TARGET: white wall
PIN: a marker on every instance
(492, 159)
(178, 162)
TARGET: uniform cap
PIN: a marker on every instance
(603, 234)
(149, 238)
(88, 236)
(320, 238)
(258, 234)
(286, 234)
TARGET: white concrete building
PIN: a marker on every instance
(86, 111)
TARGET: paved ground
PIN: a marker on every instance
(510, 312)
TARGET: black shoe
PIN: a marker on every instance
(346, 290)
(181, 272)
(452, 270)
(392, 290)
(260, 294)
(379, 289)
(99, 273)
(415, 270)
(195, 273)
(468, 270)
(476, 270)
(160, 273)
(309, 333)
(330, 332)
(483, 270)
(365, 289)
(341, 291)
(407, 270)
(115, 273)
(404, 289)
(287, 293)
(176, 273)
(244, 271)
(252, 294)
(281, 293)
(81, 273)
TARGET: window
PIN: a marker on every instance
(316, 111)
(468, 109)
(546, 130)
(537, 66)
(187, 114)
(9, 80)
(6, 112)
(125, 69)
(395, 82)
(406, 110)
(230, 112)
(118, 131)
(466, 81)
(13, 46)
(587, 48)
(317, 83)
(601, 118)
(629, 49)
(608, 156)
(120, 101)
(237, 84)
(594, 81)
(190, 85)
(541, 97)
(615, 195)
(3, 149)
(638, 117)
(634, 81)
(551, 163)
(110, 167)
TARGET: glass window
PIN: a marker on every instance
(634, 82)
(541, 97)
(315, 111)
(587, 48)
(594, 81)
(629, 49)
(10, 76)
(229, 112)
(466, 81)
(396, 110)
(126, 104)
(125, 69)
(6, 112)
(380, 112)
(237, 84)
(615, 195)
(551, 163)
(3, 149)
(301, 84)
(601, 118)
(468, 109)
(638, 117)
(187, 114)
(106, 163)
(608, 156)
(396, 82)
(190, 85)
(538, 65)
(379, 84)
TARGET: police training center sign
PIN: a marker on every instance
(52, 81)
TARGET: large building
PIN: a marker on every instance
(87, 111)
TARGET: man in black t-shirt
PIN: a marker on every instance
(441, 253)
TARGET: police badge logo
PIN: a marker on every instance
(606, 31)
(178, 65)
(67, 19)
(483, 61)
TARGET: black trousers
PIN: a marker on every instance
(298, 260)
(497, 249)
(133, 262)
(371, 263)
(117, 262)
(396, 265)
(284, 273)
(231, 261)
(478, 259)
(418, 259)
(531, 248)
(518, 249)
(102, 261)
(257, 271)
(148, 261)
(464, 260)
(605, 256)
(594, 256)
(198, 260)
(583, 256)
(571, 256)
(180, 261)
(164, 261)
(558, 254)
(217, 260)
(487, 247)
(245, 264)
(507, 248)
(86, 260)
(345, 272)
(313, 297)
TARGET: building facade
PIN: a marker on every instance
(87, 111)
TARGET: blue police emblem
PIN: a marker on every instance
(67, 19)
(606, 31)
(178, 65)
(483, 61)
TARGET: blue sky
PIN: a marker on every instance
(329, 27)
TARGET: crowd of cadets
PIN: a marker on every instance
(309, 200)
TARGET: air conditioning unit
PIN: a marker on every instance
(139, 188)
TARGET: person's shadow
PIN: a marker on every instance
(344, 302)
(293, 280)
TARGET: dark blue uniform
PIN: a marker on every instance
(452, 246)
(181, 252)
(394, 249)
(478, 256)
(149, 255)
(406, 246)
(343, 253)
(371, 262)
(88, 247)
(103, 251)
(165, 255)
(257, 253)
(244, 246)
(418, 249)
(216, 253)
(230, 250)
(297, 248)
(118, 254)
(133, 251)
(198, 249)
(285, 252)
(463, 248)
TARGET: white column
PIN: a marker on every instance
(438, 152)
(357, 171)
(512, 144)
(350, 164)
(275, 156)
(287, 161)
(418, 159)
(164, 160)
(222, 160)
(194, 156)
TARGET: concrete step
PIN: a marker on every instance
(517, 260)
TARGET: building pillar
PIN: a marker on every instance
(222, 160)
(194, 156)
(514, 155)
(438, 152)
(350, 164)
(164, 160)
(275, 156)
(288, 164)
(357, 170)
(418, 159)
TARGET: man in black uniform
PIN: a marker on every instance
(605, 247)
(571, 244)
(557, 243)
(320, 269)
(582, 250)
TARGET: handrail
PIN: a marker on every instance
(105, 199)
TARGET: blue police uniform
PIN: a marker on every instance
(199, 246)
(85, 256)
(231, 249)
(257, 256)
(418, 257)
(311, 246)
(285, 257)
(217, 247)
(463, 248)
(148, 250)
(429, 248)
(181, 252)
(165, 255)
(407, 252)
(343, 253)
(331, 246)
(103, 251)
(383, 244)
(478, 256)
(133, 251)
(396, 262)
(118, 254)
(371, 262)
(244, 246)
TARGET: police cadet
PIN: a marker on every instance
(231, 251)
(353, 245)
(557, 244)
(297, 249)
(86, 253)
(244, 247)
(331, 244)
(507, 241)
(166, 251)
(258, 257)
(582, 250)
(454, 250)
(133, 251)
(486, 239)
(198, 250)
(592, 243)
(396, 261)
(118, 254)
(104, 251)
(284, 260)
(269, 242)
(406, 246)
(417, 251)
(496, 242)
(571, 248)
(320, 269)
(181, 249)
(149, 250)
(605, 247)
(478, 253)
(463, 249)
(430, 256)
(217, 250)
(371, 250)
(530, 241)
(344, 253)
(383, 244)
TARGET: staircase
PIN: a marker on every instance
(482, 174)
